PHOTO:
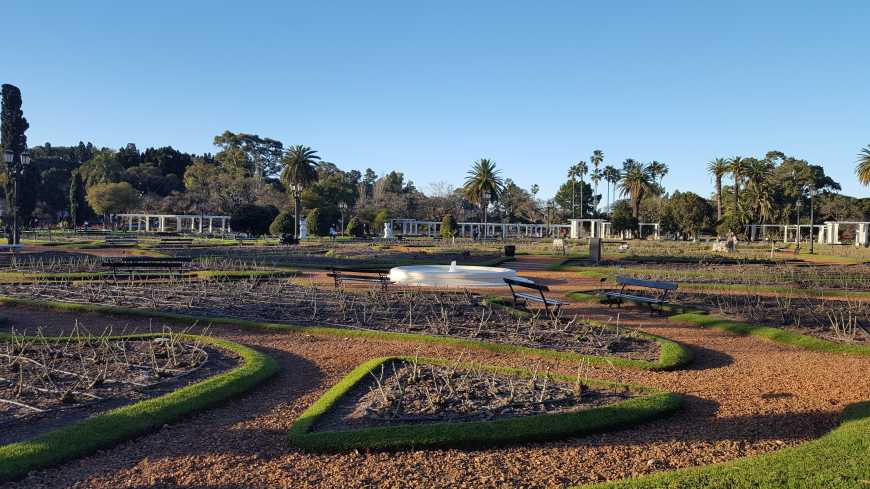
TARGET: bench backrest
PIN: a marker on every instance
(652, 284)
(528, 285)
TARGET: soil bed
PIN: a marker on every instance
(45, 385)
(401, 393)
(463, 315)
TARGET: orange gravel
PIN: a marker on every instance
(744, 396)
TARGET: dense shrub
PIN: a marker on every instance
(355, 228)
(378, 222)
(448, 226)
(622, 218)
(317, 225)
(283, 224)
(253, 219)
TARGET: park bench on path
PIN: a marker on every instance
(660, 299)
(130, 266)
(540, 298)
(116, 240)
(174, 243)
(359, 276)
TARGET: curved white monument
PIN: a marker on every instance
(465, 276)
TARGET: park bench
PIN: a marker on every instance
(130, 266)
(521, 297)
(113, 241)
(360, 276)
(174, 242)
(660, 299)
(243, 240)
(10, 248)
(559, 247)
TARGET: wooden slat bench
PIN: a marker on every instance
(525, 297)
(174, 243)
(116, 240)
(133, 265)
(660, 299)
(359, 276)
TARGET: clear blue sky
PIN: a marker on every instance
(428, 87)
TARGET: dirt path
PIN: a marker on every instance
(745, 396)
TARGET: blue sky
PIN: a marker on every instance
(428, 87)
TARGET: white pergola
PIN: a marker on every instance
(827, 233)
(414, 227)
(174, 222)
(598, 228)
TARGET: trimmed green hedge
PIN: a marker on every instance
(112, 427)
(672, 355)
(474, 434)
(838, 460)
(774, 334)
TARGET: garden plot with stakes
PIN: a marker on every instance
(460, 315)
(408, 402)
(48, 383)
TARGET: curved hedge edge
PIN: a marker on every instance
(124, 423)
(671, 354)
(475, 434)
(836, 460)
(778, 335)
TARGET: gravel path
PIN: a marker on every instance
(745, 396)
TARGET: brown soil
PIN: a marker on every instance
(745, 396)
(404, 393)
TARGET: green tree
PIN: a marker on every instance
(636, 182)
(300, 170)
(317, 226)
(379, 220)
(737, 167)
(622, 219)
(13, 125)
(282, 224)
(101, 168)
(611, 176)
(690, 213)
(112, 198)
(253, 219)
(718, 168)
(863, 168)
(78, 206)
(355, 228)
(483, 179)
(658, 171)
(448, 226)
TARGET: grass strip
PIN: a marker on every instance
(118, 425)
(838, 460)
(778, 335)
(475, 434)
(672, 355)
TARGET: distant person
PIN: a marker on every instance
(332, 233)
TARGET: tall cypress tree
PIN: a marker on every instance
(77, 201)
(12, 128)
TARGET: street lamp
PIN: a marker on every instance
(812, 215)
(296, 188)
(798, 205)
(486, 196)
(15, 171)
(342, 207)
(549, 211)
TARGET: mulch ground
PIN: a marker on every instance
(745, 396)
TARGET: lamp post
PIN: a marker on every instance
(812, 215)
(798, 205)
(15, 171)
(342, 207)
(485, 197)
(297, 194)
(549, 211)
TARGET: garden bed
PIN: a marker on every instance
(47, 383)
(459, 315)
(402, 402)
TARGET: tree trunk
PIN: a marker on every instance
(718, 198)
(296, 216)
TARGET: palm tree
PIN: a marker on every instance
(300, 170)
(658, 171)
(596, 159)
(635, 183)
(863, 168)
(573, 173)
(596, 176)
(483, 185)
(718, 168)
(582, 170)
(737, 167)
(611, 175)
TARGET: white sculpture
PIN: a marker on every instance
(303, 229)
(388, 230)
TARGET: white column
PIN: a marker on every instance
(836, 233)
